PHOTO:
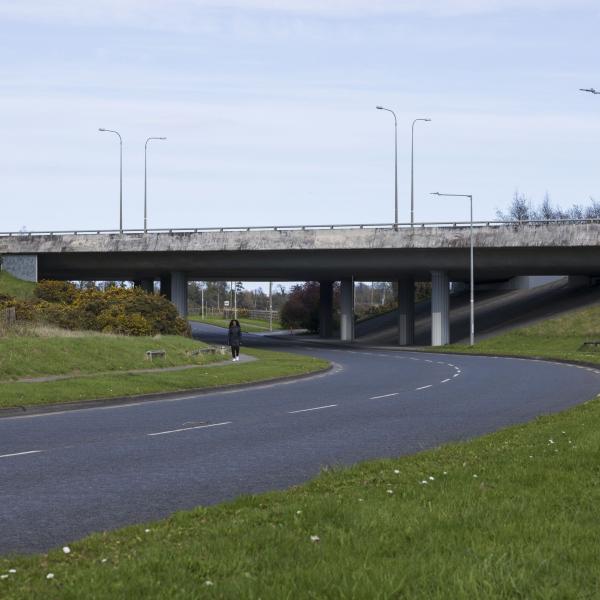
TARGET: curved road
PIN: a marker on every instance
(64, 475)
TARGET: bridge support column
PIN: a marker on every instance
(165, 286)
(406, 311)
(325, 309)
(347, 310)
(146, 284)
(179, 292)
(440, 305)
(21, 266)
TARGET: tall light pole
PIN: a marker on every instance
(395, 163)
(412, 171)
(590, 90)
(472, 286)
(146, 180)
(120, 175)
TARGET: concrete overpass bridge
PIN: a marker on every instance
(426, 251)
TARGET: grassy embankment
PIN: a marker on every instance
(11, 286)
(558, 338)
(99, 366)
(247, 325)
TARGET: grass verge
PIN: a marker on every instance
(560, 338)
(247, 325)
(269, 365)
(509, 515)
(11, 286)
(89, 352)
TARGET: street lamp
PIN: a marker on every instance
(590, 90)
(472, 286)
(146, 180)
(412, 171)
(395, 164)
(120, 175)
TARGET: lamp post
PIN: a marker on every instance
(395, 163)
(590, 90)
(472, 285)
(412, 171)
(146, 180)
(120, 175)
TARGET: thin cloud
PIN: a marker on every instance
(166, 13)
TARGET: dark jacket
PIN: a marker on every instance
(234, 337)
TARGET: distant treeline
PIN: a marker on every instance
(523, 209)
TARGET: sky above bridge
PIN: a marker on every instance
(269, 109)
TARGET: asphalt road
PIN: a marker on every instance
(65, 475)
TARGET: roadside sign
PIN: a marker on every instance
(226, 303)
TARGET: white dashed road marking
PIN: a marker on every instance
(20, 453)
(424, 387)
(384, 396)
(293, 412)
(190, 428)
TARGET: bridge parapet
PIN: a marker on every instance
(364, 237)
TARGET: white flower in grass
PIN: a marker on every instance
(445, 472)
(66, 550)
(431, 478)
(12, 570)
(50, 576)
(361, 500)
(103, 560)
(551, 441)
(298, 512)
(475, 476)
(397, 471)
(146, 531)
(390, 491)
(315, 538)
(3, 576)
(424, 482)
(208, 582)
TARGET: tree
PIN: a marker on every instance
(522, 209)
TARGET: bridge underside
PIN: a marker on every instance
(491, 264)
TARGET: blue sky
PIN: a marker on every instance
(269, 109)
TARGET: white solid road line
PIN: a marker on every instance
(189, 428)
(293, 412)
(424, 387)
(20, 453)
(384, 396)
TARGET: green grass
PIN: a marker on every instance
(113, 385)
(247, 325)
(510, 515)
(11, 286)
(24, 356)
(559, 338)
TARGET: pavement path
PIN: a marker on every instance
(67, 474)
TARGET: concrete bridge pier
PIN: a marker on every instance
(440, 304)
(406, 311)
(165, 286)
(146, 284)
(347, 310)
(179, 292)
(325, 309)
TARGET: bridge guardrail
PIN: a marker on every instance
(391, 226)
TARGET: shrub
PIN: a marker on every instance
(302, 307)
(56, 291)
(117, 310)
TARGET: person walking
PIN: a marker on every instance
(234, 339)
